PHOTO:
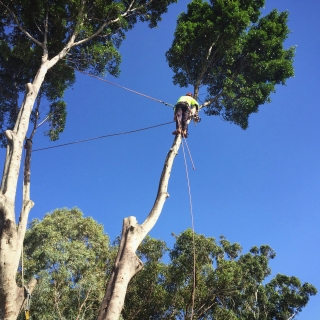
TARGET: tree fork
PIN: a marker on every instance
(127, 264)
(12, 297)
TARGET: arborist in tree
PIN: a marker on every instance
(184, 108)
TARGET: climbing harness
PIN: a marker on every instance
(192, 222)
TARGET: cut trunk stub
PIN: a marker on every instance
(127, 263)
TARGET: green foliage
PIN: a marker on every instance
(70, 256)
(57, 116)
(229, 285)
(19, 63)
(146, 296)
(236, 54)
(97, 26)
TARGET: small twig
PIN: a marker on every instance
(35, 22)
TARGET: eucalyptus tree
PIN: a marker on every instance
(39, 38)
(237, 55)
(71, 256)
(229, 284)
(234, 53)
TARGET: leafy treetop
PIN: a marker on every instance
(229, 284)
(72, 258)
(82, 34)
(227, 47)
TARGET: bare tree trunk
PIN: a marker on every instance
(127, 263)
(12, 297)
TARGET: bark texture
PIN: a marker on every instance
(12, 235)
(12, 297)
(127, 263)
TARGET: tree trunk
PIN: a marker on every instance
(12, 298)
(127, 263)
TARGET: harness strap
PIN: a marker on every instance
(27, 305)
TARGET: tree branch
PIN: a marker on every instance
(15, 141)
(70, 43)
(45, 39)
(56, 302)
(35, 22)
(206, 103)
(6, 167)
(293, 315)
(162, 193)
(84, 301)
(20, 27)
(205, 65)
(106, 23)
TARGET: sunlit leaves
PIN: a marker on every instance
(237, 55)
(70, 256)
(228, 285)
(98, 28)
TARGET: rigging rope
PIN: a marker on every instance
(193, 167)
(105, 136)
(27, 293)
(193, 239)
(122, 87)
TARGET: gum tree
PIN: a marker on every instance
(237, 55)
(229, 284)
(71, 256)
(39, 38)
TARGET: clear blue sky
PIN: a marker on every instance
(259, 186)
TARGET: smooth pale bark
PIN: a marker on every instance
(127, 263)
(12, 298)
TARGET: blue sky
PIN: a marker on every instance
(258, 186)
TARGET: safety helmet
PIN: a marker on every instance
(189, 94)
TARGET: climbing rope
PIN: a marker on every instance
(193, 167)
(27, 293)
(122, 87)
(193, 239)
(105, 136)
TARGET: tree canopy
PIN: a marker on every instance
(72, 258)
(229, 284)
(42, 44)
(29, 30)
(235, 53)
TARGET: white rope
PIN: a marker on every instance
(193, 240)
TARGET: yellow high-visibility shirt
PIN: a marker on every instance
(193, 104)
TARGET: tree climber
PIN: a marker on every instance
(184, 108)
